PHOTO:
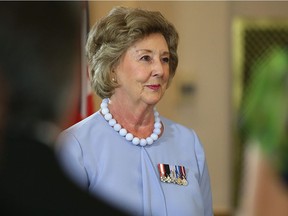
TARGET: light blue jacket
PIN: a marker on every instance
(97, 158)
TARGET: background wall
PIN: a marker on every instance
(205, 65)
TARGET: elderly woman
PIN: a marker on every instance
(126, 152)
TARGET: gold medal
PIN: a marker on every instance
(184, 181)
(179, 181)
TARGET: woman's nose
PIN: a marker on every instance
(158, 68)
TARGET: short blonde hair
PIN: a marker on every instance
(112, 35)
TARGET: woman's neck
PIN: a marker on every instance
(138, 120)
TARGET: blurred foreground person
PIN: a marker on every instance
(39, 57)
(265, 121)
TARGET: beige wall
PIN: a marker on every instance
(205, 54)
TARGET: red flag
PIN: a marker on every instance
(84, 101)
(86, 97)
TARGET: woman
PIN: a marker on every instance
(126, 153)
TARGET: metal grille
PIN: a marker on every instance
(257, 41)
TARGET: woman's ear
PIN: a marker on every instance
(113, 76)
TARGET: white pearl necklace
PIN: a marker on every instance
(124, 133)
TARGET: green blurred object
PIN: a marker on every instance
(265, 107)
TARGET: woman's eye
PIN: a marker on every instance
(146, 58)
(165, 59)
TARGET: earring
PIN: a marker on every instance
(113, 79)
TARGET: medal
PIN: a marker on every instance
(167, 173)
(172, 174)
(162, 172)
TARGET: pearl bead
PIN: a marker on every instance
(154, 136)
(143, 142)
(108, 116)
(117, 127)
(124, 133)
(149, 140)
(105, 111)
(129, 136)
(136, 141)
(104, 105)
(112, 122)
(157, 131)
(157, 125)
(157, 119)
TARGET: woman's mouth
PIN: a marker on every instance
(154, 87)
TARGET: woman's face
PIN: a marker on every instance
(143, 71)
